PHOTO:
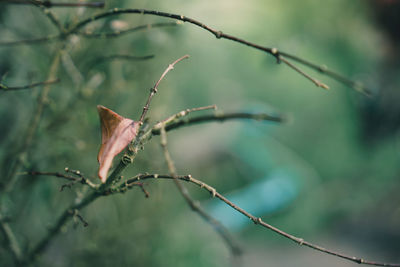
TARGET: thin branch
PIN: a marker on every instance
(153, 90)
(105, 35)
(104, 189)
(179, 115)
(324, 70)
(194, 205)
(256, 220)
(127, 57)
(100, 60)
(11, 240)
(218, 117)
(62, 220)
(220, 35)
(50, 4)
(76, 214)
(28, 86)
(51, 16)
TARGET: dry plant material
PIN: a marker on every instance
(116, 133)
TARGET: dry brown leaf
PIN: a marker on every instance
(116, 133)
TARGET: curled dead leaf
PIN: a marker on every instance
(116, 133)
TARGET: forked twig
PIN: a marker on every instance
(80, 179)
(28, 86)
(106, 35)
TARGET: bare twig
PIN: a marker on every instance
(105, 35)
(33, 125)
(51, 16)
(28, 86)
(62, 220)
(220, 35)
(256, 220)
(324, 70)
(315, 81)
(126, 57)
(75, 214)
(31, 41)
(100, 60)
(50, 4)
(100, 35)
(11, 240)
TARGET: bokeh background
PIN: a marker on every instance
(329, 175)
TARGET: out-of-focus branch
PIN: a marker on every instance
(105, 35)
(217, 117)
(11, 240)
(50, 4)
(154, 89)
(194, 205)
(73, 180)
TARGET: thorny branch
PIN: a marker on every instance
(194, 205)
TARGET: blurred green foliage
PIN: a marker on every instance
(347, 194)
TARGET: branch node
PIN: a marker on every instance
(218, 34)
(126, 159)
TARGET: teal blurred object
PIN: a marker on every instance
(279, 186)
(270, 194)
